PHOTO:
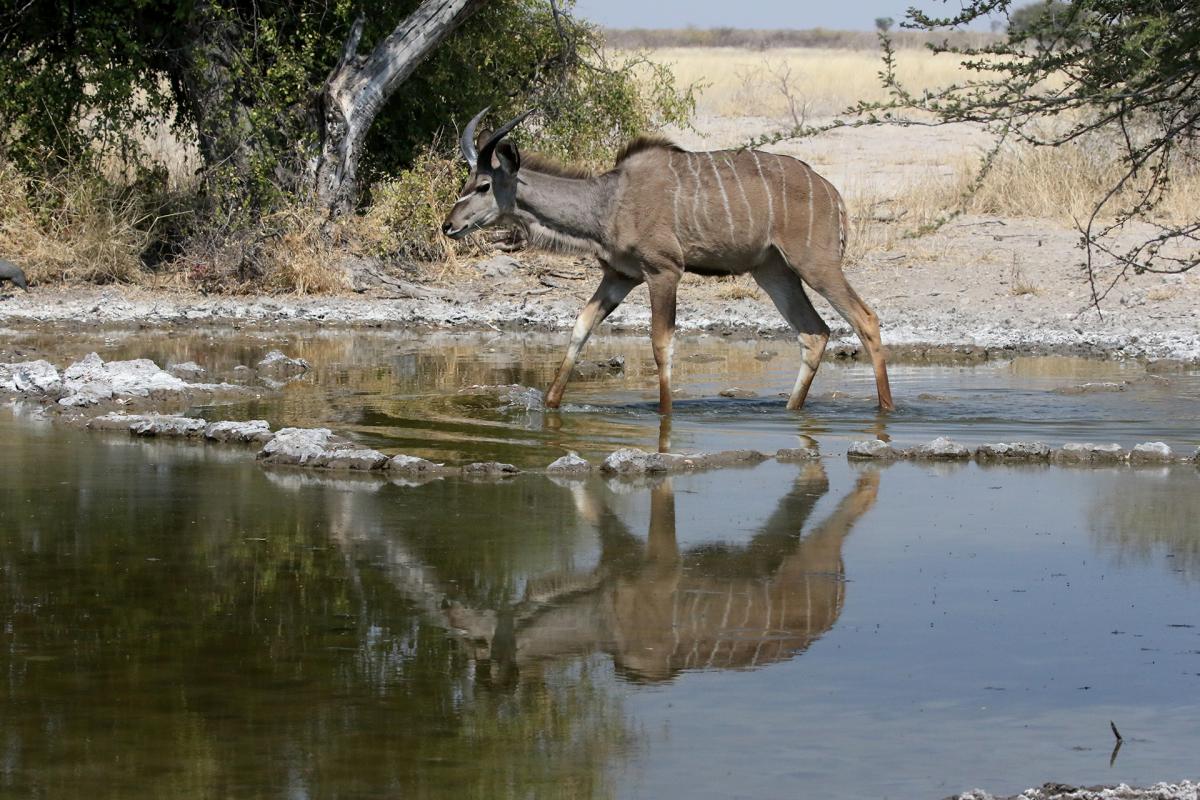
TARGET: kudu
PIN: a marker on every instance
(662, 211)
(658, 609)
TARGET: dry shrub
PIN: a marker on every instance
(405, 217)
(293, 251)
(77, 226)
(303, 257)
(1020, 285)
(1060, 184)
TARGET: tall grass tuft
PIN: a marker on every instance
(78, 227)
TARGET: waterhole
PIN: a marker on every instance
(178, 621)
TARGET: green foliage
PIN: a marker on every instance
(406, 211)
(84, 87)
(74, 77)
(512, 55)
(242, 79)
(1045, 20)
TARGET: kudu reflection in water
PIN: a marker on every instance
(658, 611)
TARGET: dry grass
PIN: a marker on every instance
(739, 82)
(407, 210)
(1064, 183)
(738, 287)
(77, 227)
(304, 258)
(880, 223)
(97, 225)
(1060, 185)
(1161, 293)
(1018, 284)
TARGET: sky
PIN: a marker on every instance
(839, 14)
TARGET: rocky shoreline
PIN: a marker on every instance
(85, 393)
(524, 298)
(1184, 790)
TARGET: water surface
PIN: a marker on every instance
(178, 621)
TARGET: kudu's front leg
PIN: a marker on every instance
(612, 290)
(663, 287)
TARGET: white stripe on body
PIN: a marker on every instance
(808, 233)
(767, 191)
(833, 207)
(784, 192)
(843, 218)
(724, 194)
(696, 194)
(742, 189)
(674, 193)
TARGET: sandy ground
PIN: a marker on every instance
(995, 284)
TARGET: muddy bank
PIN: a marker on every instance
(977, 287)
(920, 323)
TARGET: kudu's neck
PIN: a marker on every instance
(565, 213)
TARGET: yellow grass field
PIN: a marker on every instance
(741, 82)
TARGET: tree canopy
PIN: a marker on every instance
(241, 80)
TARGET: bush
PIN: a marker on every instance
(78, 226)
(135, 71)
(406, 212)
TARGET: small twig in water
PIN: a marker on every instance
(1112, 759)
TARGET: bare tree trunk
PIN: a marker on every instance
(206, 83)
(358, 87)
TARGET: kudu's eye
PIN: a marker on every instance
(483, 188)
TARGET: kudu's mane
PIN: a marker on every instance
(552, 166)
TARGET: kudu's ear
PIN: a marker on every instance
(508, 156)
(482, 138)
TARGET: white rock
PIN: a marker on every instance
(490, 468)
(167, 425)
(318, 447)
(941, 448)
(570, 464)
(30, 377)
(1089, 453)
(631, 461)
(355, 458)
(91, 380)
(875, 448)
(275, 361)
(1151, 453)
(1013, 451)
(256, 430)
(296, 446)
(411, 465)
(188, 369)
(116, 421)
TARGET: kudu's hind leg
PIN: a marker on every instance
(612, 290)
(826, 278)
(783, 286)
(663, 287)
